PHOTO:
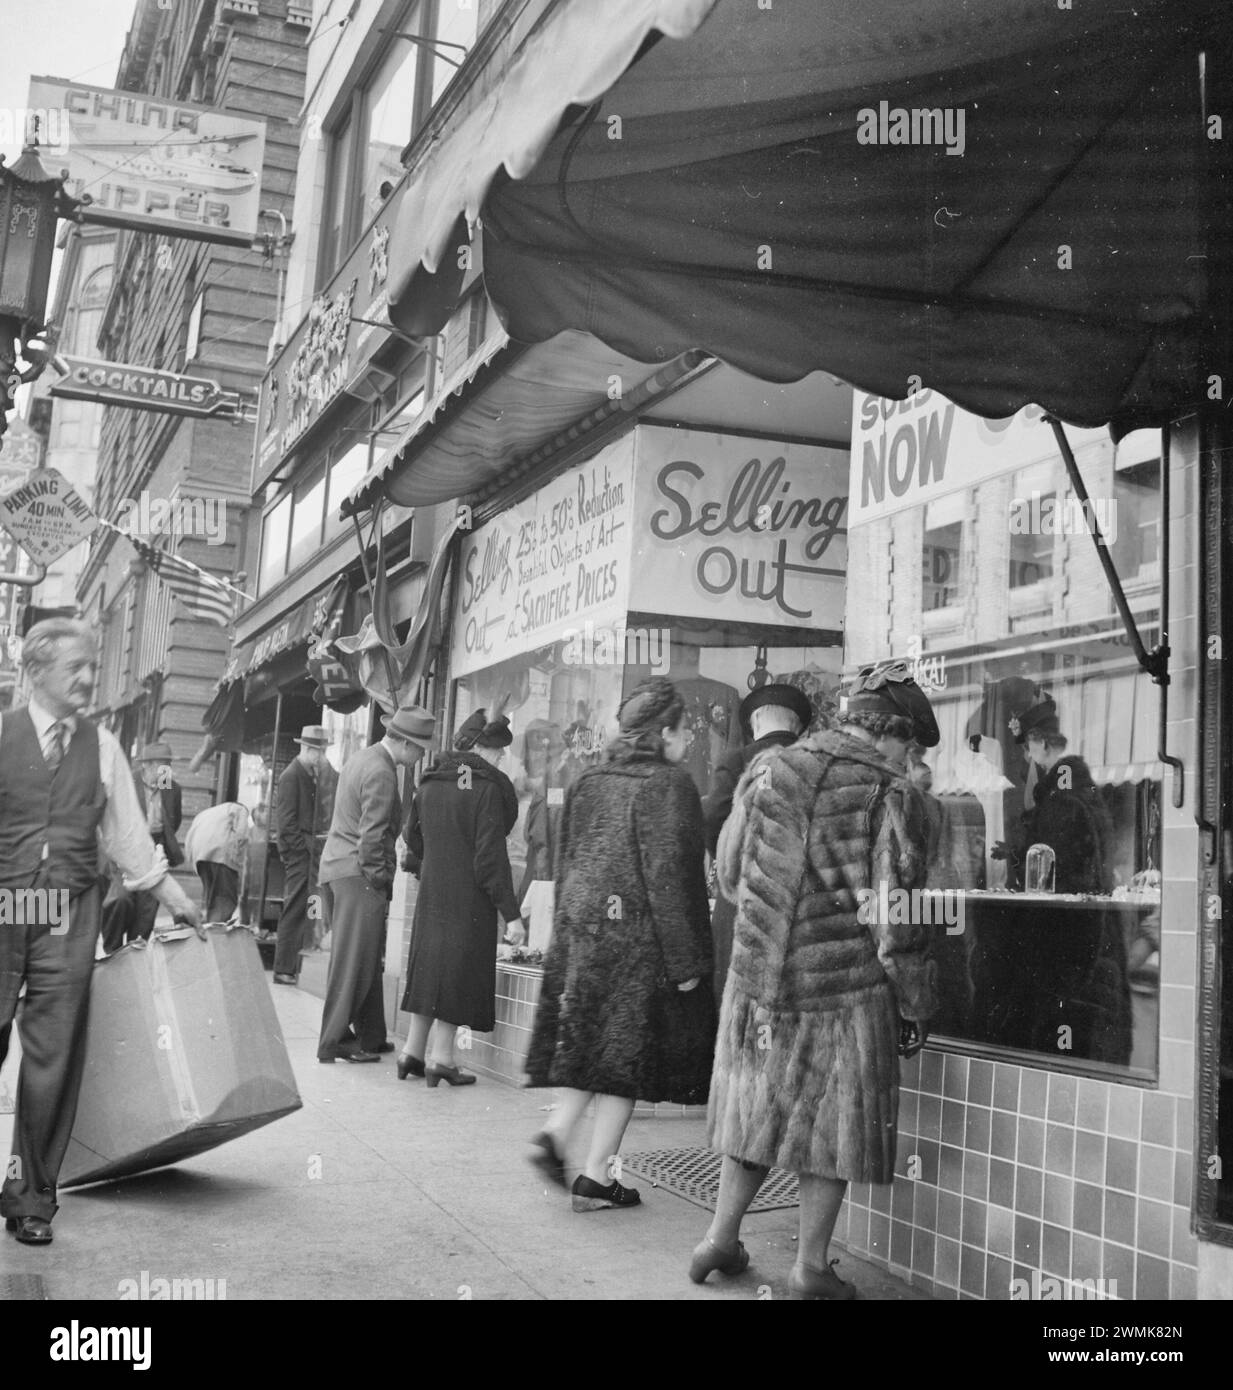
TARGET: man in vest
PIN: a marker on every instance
(66, 793)
(305, 805)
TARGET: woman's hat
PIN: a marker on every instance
(890, 688)
(412, 724)
(478, 731)
(647, 705)
(313, 736)
(784, 696)
(158, 752)
(1040, 718)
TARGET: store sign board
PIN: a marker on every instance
(153, 165)
(739, 529)
(330, 349)
(906, 453)
(548, 565)
(45, 516)
(143, 388)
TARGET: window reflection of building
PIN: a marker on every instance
(1001, 616)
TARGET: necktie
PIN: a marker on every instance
(53, 747)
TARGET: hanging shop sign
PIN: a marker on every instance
(21, 451)
(549, 564)
(739, 529)
(144, 388)
(905, 453)
(329, 352)
(45, 516)
(153, 165)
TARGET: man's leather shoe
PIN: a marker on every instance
(359, 1055)
(285, 980)
(386, 1046)
(30, 1230)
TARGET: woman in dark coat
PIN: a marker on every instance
(822, 995)
(624, 1013)
(455, 835)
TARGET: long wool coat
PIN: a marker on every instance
(630, 924)
(455, 835)
(806, 1065)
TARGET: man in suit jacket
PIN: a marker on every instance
(306, 793)
(161, 800)
(358, 864)
(66, 800)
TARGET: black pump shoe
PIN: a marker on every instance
(435, 1073)
(409, 1066)
(591, 1196)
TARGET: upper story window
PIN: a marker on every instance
(385, 110)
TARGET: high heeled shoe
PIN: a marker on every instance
(809, 1285)
(708, 1256)
(435, 1073)
(409, 1066)
(548, 1160)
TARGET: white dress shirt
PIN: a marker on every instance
(122, 833)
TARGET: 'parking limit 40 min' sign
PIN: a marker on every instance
(45, 516)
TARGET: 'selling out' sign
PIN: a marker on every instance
(906, 453)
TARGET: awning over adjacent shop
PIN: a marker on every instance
(1042, 240)
(538, 394)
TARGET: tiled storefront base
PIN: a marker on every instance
(1007, 1173)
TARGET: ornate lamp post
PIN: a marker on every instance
(31, 200)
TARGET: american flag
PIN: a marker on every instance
(202, 594)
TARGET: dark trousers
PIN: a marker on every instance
(146, 903)
(294, 928)
(222, 889)
(57, 969)
(353, 995)
(119, 918)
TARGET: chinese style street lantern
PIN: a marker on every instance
(31, 200)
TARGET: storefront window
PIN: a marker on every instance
(275, 529)
(348, 733)
(457, 22)
(1044, 854)
(346, 473)
(307, 518)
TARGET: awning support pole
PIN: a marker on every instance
(1155, 662)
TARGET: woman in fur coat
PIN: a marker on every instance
(822, 997)
(455, 836)
(622, 1015)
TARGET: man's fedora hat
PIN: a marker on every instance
(789, 697)
(412, 724)
(313, 736)
(158, 752)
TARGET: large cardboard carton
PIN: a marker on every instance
(184, 1052)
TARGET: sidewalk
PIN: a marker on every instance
(381, 1189)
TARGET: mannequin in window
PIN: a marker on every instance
(712, 715)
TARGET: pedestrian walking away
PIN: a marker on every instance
(624, 1014)
(455, 837)
(358, 863)
(66, 792)
(306, 792)
(820, 1000)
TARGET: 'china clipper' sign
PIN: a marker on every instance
(154, 165)
(144, 388)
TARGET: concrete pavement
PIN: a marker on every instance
(381, 1189)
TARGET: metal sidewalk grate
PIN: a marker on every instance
(694, 1175)
(16, 1288)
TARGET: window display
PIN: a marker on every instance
(1043, 797)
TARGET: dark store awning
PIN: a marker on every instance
(718, 196)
